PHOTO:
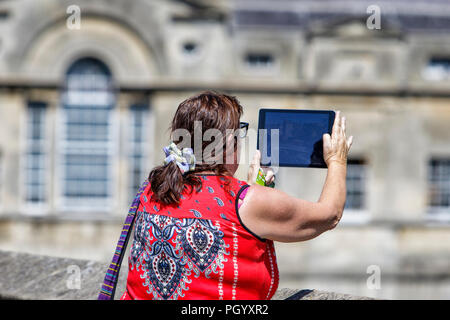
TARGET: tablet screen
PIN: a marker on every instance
(299, 136)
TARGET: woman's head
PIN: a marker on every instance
(209, 124)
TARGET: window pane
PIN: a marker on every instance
(35, 154)
(437, 69)
(439, 184)
(259, 60)
(138, 147)
(87, 135)
(356, 182)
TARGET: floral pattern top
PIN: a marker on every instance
(199, 249)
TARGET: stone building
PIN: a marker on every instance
(88, 87)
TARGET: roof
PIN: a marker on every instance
(408, 15)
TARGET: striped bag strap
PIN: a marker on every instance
(112, 274)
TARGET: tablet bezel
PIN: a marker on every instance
(261, 125)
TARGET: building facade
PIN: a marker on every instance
(88, 89)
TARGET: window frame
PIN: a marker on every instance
(81, 207)
(249, 70)
(436, 213)
(145, 145)
(28, 207)
(425, 73)
(358, 216)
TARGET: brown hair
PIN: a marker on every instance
(215, 111)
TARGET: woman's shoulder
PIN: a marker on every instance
(232, 185)
(221, 180)
(223, 189)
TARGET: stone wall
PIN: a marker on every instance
(37, 277)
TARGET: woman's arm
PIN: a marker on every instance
(275, 215)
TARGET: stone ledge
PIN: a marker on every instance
(25, 276)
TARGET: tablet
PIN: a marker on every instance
(299, 136)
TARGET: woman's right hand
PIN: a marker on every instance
(255, 165)
(336, 146)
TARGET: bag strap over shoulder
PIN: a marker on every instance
(112, 274)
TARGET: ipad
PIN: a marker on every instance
(293, 138)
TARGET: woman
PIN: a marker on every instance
(200, 233)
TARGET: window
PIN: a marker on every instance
(87, 140)
(259, 60)
(191, 51)
(190, 48)
(439, 185)
(138, 147)
(36, 155)
(437, 69)
(356, 185)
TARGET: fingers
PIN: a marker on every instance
(349, 142)
(254, 167)
(339, 129)
(326, 141)
(256, 159)
(270, 176)
(343, 123)
(336, 124)
(336, 146)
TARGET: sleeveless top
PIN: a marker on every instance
(199, 249)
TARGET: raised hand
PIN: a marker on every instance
(336, 146)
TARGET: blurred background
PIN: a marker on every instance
(88, 89)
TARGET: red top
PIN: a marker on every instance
(199, 249)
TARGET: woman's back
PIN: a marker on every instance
(199, 249)
(195, 245)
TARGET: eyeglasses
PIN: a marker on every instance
(243, 128)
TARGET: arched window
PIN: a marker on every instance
(87, 140)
